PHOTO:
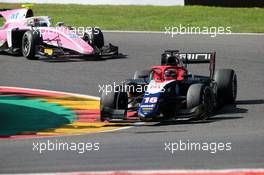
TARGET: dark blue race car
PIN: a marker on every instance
(171, 91)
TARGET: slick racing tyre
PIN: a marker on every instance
(94, 37)
(30, 41)
(111, 101)
(199, 94)
(226, 80)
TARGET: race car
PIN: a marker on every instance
(33, 36)
(171, 91)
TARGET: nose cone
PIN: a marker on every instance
(86, 48)
(68, 39)
(147, 111)
(149, 105)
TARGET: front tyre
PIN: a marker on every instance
(199, 94)
(30, 41)
(111, 101)
(94, 37)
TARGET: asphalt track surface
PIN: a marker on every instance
(142, 147)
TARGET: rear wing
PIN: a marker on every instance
(196, 58)
(4, 9)
(16, 14)
(1, 10)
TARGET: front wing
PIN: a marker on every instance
(123, 115)
(51, 52)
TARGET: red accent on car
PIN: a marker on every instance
(167, 73)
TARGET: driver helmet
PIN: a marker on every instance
(170, 73)
(36, 22)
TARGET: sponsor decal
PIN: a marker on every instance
(147, 109)
(14, 16)
(73, 36)
(196, 56)
(147, 106)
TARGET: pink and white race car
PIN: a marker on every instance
(33, 36)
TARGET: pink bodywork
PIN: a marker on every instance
(57, 36)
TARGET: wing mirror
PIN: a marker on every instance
(143, 76)
(186, 76)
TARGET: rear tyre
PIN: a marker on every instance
(199, 94)
(112, 100)
(95, 38)
(30, 41)
(226, 80)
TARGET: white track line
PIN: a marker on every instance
(163, 32)
(67, 135)
(183, 171)
(50, 91)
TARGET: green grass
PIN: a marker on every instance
(152, 18)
